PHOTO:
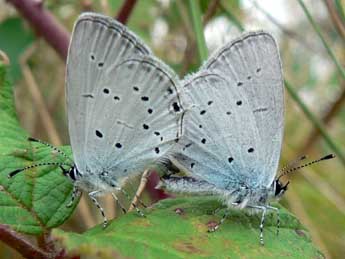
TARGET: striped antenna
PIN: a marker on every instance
(13, 173)
(330, 156)
(293, 163)
(51, 146)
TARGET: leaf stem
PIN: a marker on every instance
(19, 243)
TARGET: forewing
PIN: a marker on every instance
(97, 42)
(135, 116)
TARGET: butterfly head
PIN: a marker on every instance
(279, 188)
(71, 173)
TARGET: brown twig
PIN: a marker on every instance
(335, 17)
(20, 244)
(125, 11)
(326, 119)
(211, 11)
(45, 24)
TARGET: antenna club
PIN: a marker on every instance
(13, 173)
(33, 139)
(330, 156)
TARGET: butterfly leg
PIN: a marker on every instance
(132, 204)
(75, 193)
(264, 209)
(119, 203)
(278, 216)
(92, 196)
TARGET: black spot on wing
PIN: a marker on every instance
(251, 150)
(176, 107)
(87, 95)
(99, 134)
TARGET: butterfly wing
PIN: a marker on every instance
(234, 130)
(120, 99)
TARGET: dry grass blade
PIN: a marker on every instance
(140, 190)
(4, 58)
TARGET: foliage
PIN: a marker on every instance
(178, 228)
(34, 201)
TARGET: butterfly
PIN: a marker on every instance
(123, 108)
(232, 129)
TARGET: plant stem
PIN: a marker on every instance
(126, 11)
(19, 243)
(195, 12)
(44, 24)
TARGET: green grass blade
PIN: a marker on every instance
(340, 10)
(324, 42)
(195, 12)
(314, 120)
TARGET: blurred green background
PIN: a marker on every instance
(317, 194)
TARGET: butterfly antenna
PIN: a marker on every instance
(292, 163)
(330, 156)
(13, 173)
(51, 146)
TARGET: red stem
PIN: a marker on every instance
(154, 193)
(19, 243)
(126, 11)
(45, 24)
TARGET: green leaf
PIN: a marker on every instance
(164, 233)
(33, 201)
(14, 39)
